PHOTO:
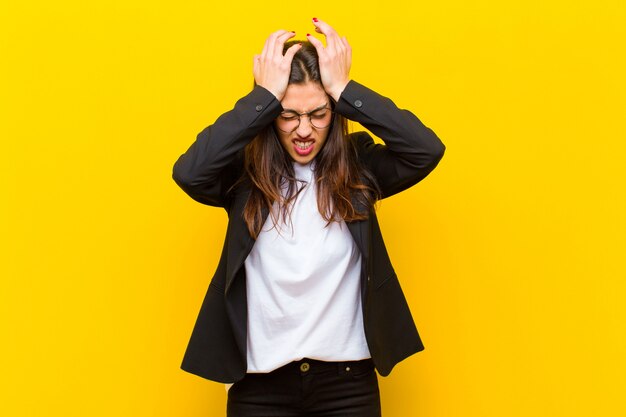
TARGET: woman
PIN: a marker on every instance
(304, 305)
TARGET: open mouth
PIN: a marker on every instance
(303, 147)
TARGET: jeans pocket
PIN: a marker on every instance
(361, 369)
(363, 373)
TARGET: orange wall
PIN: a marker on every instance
(511, 252)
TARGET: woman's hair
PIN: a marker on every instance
(338, 174)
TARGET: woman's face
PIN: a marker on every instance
(306, 141)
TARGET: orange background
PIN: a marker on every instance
(511, 253)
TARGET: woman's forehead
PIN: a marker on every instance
(304, 97)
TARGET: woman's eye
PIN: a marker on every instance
(288, 117)
(318, 115)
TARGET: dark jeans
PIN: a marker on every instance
(308, 388)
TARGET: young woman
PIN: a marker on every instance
(304, 306)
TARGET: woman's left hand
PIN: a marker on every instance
(335, 59)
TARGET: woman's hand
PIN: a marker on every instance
(335, 59)
(271, 67)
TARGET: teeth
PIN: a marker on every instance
(303, 145)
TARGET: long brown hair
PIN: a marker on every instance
(341, 180)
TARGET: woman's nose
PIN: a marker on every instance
(305, 128)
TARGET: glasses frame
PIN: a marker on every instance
(308, 114)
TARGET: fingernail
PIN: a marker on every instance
(308, 34)
(315, 19)
(293, 31)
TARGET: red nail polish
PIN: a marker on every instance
(308, 34)
(315, 19)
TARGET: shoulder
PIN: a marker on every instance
(235, 175)
(363, 145)
(363, 149)
(360, 138)
(360, 141)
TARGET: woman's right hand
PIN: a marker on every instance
(272, 68)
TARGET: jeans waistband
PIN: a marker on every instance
(314, 366)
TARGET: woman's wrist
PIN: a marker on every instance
(335, 92)
(276, 92)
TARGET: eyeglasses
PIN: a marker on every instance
(288, 121)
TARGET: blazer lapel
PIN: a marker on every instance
(240, 242)
(359, 228)
(358, 231)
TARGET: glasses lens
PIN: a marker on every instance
(289, 121)
(321, 119)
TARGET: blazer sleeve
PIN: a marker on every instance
(411, 150)
(206, 170)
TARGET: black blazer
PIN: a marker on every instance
(217, 347)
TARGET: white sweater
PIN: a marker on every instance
(303, 288)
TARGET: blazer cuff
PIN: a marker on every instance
(262, 99)
(353, 99)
